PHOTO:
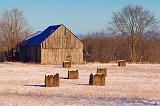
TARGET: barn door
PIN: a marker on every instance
(36, 55)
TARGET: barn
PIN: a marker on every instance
(52, 46)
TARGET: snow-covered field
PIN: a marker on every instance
(23, 84)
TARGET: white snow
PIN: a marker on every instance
(23, 84)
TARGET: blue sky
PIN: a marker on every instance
(81, 16)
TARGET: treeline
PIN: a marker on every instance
(99, 47)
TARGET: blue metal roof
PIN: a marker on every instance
(39, 37)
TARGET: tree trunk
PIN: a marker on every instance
(132, 50)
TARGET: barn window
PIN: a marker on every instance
(65, 31)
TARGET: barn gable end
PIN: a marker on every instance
(62, 45)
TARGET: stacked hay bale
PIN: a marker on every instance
(97, 79)
(121, 63)
(73, 74)
(52, 80)
(66, 64)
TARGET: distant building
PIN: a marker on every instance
(52, 46)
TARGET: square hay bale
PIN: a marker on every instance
(73, 74)
(97, 79)
(102, 70)
(121, 63)
(52, 80)
(66, 64)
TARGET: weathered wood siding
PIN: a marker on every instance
(60, 46)
(30, 54)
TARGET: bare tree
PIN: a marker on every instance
(133, 22)
(13, 29)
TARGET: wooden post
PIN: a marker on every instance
(102, 70)
(121, 63)
(66, 64)
(97, 79)
(73, 74)
(52, 81)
